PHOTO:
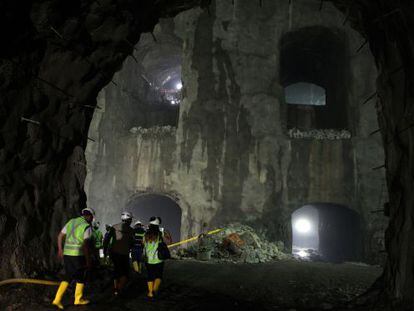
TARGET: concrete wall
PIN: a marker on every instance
(231, 158)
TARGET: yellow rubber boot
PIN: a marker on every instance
(157, 284)
(79, 295)
(150, 289)
(59, 294)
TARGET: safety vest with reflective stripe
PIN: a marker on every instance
(151, 251)
(75, 230)
(139, 237)
(97, 237)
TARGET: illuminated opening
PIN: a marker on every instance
(303, 93)
(305, 238)
(326, 232)
(147, 205)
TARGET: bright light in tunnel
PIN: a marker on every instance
(179, 86)
(302, 225)
(302, 254)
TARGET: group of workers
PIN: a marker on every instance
(80, 242)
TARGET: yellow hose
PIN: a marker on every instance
(194, 238)
(29, 281)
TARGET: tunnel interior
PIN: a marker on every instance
(145, 206)
(46, 114)
(326, 231)
(148, 89)
(161, 77)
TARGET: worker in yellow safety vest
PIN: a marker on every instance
(76, 255)
(154, 265)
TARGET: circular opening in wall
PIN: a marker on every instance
(145, 206)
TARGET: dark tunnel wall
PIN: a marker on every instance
(42, 163)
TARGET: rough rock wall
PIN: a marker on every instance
(234, 159)
(57, 58)
(386, 25)
(392, 43)
(126, 165)
(134, 136)
(232, 128)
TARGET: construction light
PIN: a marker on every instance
(302, 225)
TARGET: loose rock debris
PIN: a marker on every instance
(236, 243)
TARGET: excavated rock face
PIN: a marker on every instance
(388, 29)
(59, 55)
(234, 156)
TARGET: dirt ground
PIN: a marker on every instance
(194, 285)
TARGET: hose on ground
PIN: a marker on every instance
(29, 281)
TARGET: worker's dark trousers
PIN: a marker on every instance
(154, 271)
(121, 265)
(75, 268)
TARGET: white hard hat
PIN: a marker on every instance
(137, 223)
(155, 222)
(126, 216)
(88, 210)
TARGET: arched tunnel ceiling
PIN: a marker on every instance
(159, 54)
(40, 181)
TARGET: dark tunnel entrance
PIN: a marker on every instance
(314, 72)
(327, 232)
(147, 205)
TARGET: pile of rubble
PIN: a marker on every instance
(236, 243)
(320, 134)
(155, 131)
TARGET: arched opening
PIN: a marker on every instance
(313, 71)
(326, 231)
(147, 205)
